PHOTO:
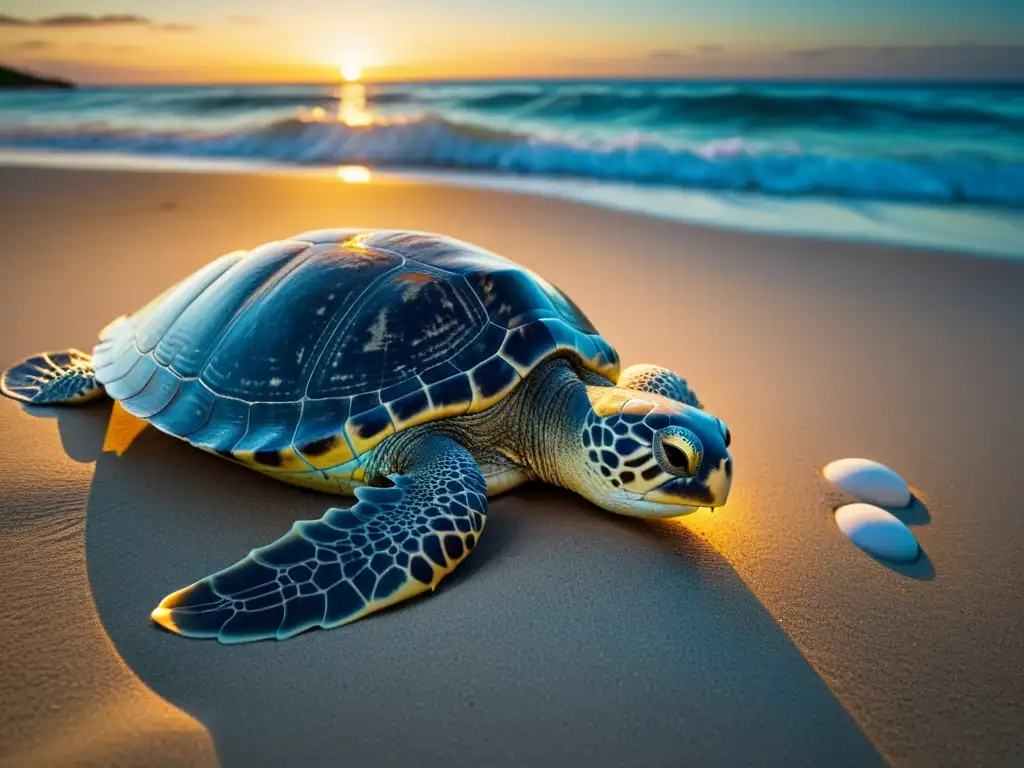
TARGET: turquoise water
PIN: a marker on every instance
(938, 165)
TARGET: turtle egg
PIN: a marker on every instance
(877, 532)
(870, 481)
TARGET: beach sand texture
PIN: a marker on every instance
(757, 634)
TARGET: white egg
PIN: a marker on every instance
(870, 481)
(878, 532)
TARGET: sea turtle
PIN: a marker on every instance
(417, 372)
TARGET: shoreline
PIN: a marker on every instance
(571, 636)
(975, 231)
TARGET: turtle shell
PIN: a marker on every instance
(305, 353)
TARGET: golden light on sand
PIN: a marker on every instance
(354, 174)
(351, 71)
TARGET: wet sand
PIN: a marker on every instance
(757, 634)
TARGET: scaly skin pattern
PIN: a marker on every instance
(52, 378)
(395, 543)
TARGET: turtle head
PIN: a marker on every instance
(649, 456)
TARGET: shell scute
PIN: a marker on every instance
(160, 314)
(483, 347)
(445, 253)
(491, 381)
(509, 294)
(228, 422)
(270, 426)
(188, 411)
(320, 437)
(155, 396)
(192, 337)
(528, 344)
(403, 328)
(269, 352)
(134, 381)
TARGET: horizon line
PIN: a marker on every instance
(682, 79)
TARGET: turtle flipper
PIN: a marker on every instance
(660, 381)
(52, 378)
(395, 543)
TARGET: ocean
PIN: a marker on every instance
(922, 164)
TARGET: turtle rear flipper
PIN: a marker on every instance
(52, 378)
(395, 543)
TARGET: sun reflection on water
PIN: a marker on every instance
(352, 105)
(354, 174)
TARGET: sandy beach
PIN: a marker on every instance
(754, 635)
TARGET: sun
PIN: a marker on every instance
(351, 71)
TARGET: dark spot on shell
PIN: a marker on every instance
(268, 458)
(319, 447)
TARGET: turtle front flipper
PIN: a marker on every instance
(51, 378)
(660, 381)
(395, 543)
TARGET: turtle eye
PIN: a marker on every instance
(678, 451)
(676, 458)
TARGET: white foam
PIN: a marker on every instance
(878, 532)
(870, 481)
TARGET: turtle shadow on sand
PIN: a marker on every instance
(569, 637)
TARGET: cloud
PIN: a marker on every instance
(956, 60)
(906, 51)
(248, 21)
(666, 56)
(78, 20)
(89, 45)
(709, 49)
(30, 45)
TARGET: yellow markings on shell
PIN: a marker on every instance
(289, 459)
(420, 417)
(522, 370)
(481, 403)
(359, 474)
(122, 429)
(363, 445)
(339, 453)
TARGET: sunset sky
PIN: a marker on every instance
(98, 41)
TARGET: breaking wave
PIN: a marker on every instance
(434, 142)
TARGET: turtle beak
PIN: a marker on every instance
(712, 491)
